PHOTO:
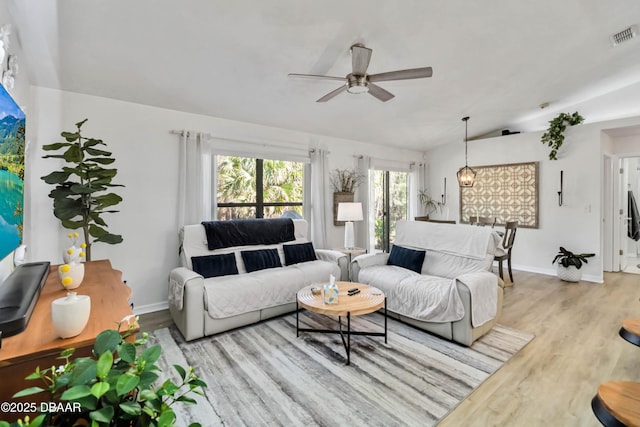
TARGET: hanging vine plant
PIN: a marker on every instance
(554, 136)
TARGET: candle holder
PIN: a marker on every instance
(443, 196)
(560, 192)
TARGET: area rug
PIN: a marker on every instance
(262, 375)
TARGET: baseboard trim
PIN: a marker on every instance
(150, 308)
(552, 272)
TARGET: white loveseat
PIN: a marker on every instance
(205, 306)
(454, 295)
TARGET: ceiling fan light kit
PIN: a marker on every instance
(357, 84)
(358, 81)
(466, 175)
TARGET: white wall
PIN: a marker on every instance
(146, 157)
(577, 224)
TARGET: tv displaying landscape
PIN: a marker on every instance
(12, 146)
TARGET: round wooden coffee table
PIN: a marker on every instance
(368, 300)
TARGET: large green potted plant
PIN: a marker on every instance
(554, 136)
(569, 264)
(118, 386)
(81, 196)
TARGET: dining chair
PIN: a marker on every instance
(482, 221)
(442, 221)
(503, 252)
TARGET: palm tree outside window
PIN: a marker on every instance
(257, 188)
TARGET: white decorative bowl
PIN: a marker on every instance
(70, 314)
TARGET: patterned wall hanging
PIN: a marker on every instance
(505, 192)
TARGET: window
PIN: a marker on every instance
(390, 190)
(258, 188)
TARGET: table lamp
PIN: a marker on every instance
(349, 212)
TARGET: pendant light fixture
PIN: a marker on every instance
(466, 175)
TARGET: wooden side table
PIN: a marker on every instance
(617, 404)
(351, 253)
(38, 345)
(630, 331)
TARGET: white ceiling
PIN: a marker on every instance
(494, 60)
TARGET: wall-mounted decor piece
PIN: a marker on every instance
(444, 192)
(505, 192)
(560, 192)
(554, 136)
(12, 147)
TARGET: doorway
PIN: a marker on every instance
(390, 189)
(630, 227)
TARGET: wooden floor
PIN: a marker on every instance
(552, 380)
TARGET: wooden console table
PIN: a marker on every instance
(38, 345)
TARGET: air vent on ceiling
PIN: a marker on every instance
(624, 35)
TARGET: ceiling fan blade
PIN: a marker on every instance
(360, 57)
(315, 76)
(333, 93)
(413, 73)
(382, 94)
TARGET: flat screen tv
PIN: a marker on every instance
(12, 147)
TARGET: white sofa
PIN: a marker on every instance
(205, 306)
(454, 295)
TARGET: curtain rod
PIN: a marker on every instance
(242, 141)
(409, 162)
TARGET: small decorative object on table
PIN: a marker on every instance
(72, 272)
(69, 315)
(331, 291)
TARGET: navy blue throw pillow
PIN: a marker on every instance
(406, 258)
(214, 265)
(301, 252)
(261, 259)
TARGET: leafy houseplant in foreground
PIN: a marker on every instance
(554, 136)
(115, 387)
(569, 264)
(79, 197)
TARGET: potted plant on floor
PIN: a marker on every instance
(118, 386)
(569, 264)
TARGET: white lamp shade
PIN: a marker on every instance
(349, 212)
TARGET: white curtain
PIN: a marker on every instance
(194, 180)
(318, 191)
(365, 229)
(418, 182)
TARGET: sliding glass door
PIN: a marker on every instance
(390, 189)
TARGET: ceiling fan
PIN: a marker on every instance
(358, 81)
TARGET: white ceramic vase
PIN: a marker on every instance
(569, 274)
(73, 257)
(75, 272)
(70, 314)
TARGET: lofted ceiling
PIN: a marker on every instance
(495, 60)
